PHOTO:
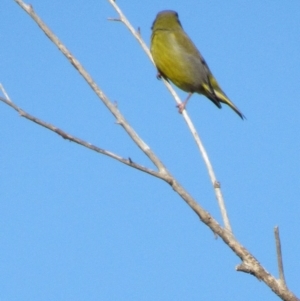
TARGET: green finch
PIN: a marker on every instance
(178, 60)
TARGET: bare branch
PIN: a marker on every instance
(279, 256)
(79, 141)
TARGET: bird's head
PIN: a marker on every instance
(166, 20)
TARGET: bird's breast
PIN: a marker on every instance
(177, 62)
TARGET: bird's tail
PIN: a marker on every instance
(213, 91)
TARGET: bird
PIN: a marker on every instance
(177, 59)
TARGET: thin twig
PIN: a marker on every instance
(279, 256)
(214, 181)
(79, 141)
(216, 184)
(4, 92)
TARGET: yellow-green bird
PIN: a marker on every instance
(178, 60)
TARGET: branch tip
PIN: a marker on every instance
(114, 19)
(243, 267)
(279, 256)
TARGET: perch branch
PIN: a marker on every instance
(214, 181)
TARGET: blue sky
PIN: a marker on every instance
(76, 225)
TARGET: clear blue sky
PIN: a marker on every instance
(76, 225)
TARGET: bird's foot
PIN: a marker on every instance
(183, 104)
(181, 107)
(158, 76)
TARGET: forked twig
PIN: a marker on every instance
(112, 108)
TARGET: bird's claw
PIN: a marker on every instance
(181, 107)
(158, 76)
